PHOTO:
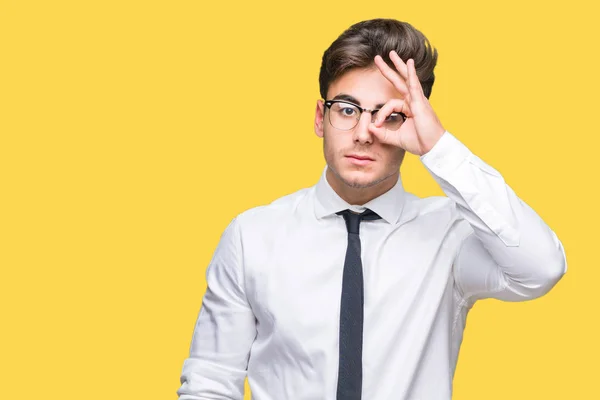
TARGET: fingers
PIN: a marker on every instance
(380, 133)
(405, 78)
(406, 81)
(393, 105)
(384, 135)
(391, 75)
(414, 86)
(400, 65)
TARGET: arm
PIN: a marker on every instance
(511, 254)
(224, 331)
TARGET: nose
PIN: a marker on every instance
(361, 130)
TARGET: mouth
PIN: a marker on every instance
(359, 159)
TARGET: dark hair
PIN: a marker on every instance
(358, 45)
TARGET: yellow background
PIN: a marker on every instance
(132, 132)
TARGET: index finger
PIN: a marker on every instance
(391, 75)
(400, 65)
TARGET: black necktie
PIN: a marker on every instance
(351, 312)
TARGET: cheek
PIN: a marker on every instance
(393, 156)
(332, 146)
(399, 157)
(327, 150)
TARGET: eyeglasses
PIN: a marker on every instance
(344, 116)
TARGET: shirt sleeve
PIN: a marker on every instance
(510, 253)
(225, 328)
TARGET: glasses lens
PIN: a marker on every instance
(343, 116)
(393, 122)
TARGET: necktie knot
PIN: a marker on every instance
(353, 219)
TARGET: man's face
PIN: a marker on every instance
(369, 89)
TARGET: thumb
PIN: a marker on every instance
(384, 135)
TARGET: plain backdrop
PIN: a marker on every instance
(132, 132)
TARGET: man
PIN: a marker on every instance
(353, 288)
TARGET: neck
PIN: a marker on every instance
(360, 195)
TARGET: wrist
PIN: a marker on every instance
(433, 141)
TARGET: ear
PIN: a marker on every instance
(319, 121)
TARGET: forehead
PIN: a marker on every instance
(367, 85)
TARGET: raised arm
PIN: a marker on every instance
(224, 331)
(509, 252)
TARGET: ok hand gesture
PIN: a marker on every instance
(422, 129)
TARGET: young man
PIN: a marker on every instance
(353, 288)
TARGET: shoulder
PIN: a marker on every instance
(278, 211)
(439, 209)
(435, 218)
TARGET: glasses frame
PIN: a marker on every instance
(329, 103)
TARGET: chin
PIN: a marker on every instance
(360, 178)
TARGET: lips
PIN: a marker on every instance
(360, 157)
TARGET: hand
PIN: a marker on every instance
(422, 128)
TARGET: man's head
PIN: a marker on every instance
(348, 69)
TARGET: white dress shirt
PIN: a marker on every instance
(271, 308)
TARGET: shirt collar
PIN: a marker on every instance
(388, 205)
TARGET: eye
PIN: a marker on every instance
(348, 111)
(394, 117)
(345, 109)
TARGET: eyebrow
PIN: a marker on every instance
(347, 97)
